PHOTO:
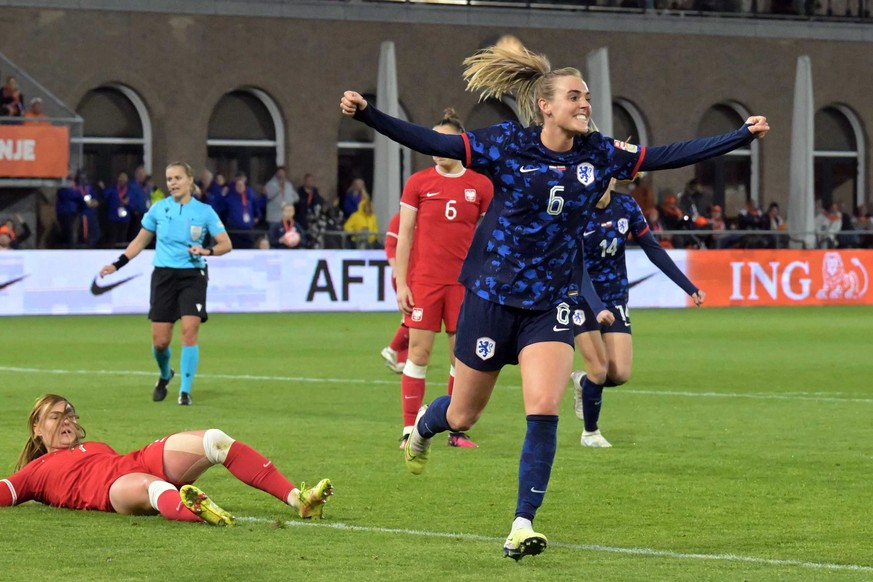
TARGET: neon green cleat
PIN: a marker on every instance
(524, 542)
(311, 500)
(200, 504)
(416, 461)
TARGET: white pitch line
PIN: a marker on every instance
(807, 396)
(581, 547)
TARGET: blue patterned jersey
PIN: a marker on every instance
(524, 253)
(604, 239)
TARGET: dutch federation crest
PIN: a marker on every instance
(578, 317)
(470, 194)
(585, 173)
(485, 348)
(622, 225)
(196, 232)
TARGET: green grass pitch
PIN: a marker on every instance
(742, 450)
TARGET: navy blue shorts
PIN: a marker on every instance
(491, 335)
(584, 319)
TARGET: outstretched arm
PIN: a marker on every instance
(135, 247)
(685, 153)
(421, 139)
(659, 257)
(589, 294)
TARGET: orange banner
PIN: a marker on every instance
(783, 277)
(34, 151)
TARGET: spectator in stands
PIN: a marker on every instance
(653, 217)
(34, 114)
(118, 210)
(287, 233)
(214, 191)
(847, 239)
(777, 223)
(861, 222)
(16, 234)
(674, 218)
(642, 191)
(694, 201)
(363, 220)
(76, 208)
(11, 99)
(5, 241)
(139, 201)
(828, 222)
(242, 213)
(310, 202)
(751, 218)
(263, 243)
(279, 192)
(155, 193)
(354, 195)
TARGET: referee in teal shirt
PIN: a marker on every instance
(180, 223)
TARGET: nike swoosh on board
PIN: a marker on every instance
(98, 290)
(13, 281)
(633, 284)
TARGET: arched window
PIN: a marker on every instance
(628, 121)
(733, 177)
(246, 134)
(117, 134)
(355, 152)
(839, 158)
(491, 112)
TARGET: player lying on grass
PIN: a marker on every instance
(58, 468)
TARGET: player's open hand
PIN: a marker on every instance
(107, 270)
(699, 297)
(405, 300)
(605, 317)
(758, 126)
(351, 102)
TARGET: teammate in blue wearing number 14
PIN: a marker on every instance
(524, 274)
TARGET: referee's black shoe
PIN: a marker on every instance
(185, 399)
(160, 391)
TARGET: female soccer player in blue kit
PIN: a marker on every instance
(607, 349)
(523, 271)
(181, 223)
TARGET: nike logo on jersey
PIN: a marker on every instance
(98, 290)
(429, 194)
(589, 232)
(526, 169)
(556, 328)
(13, 281)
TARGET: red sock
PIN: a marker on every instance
(412, 390)
(402, 355)
(451, 381)
(253, 468)
(170, 506)
(400, 343)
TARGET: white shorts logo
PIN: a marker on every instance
(578, 317)
(196, 232)
(417, 313)
(485, 347)
(470, 194)
(563, 315)
(585, 173)
(622, 225)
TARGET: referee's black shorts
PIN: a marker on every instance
(178, 292)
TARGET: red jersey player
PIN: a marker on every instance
(395, 353)
(58, 468)
(439, 211)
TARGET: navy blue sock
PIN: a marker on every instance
(434, 419)
(592, 397)
(535, 466)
